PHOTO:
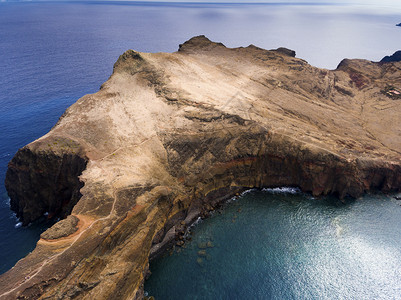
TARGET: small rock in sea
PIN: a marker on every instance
(239, 210)
(205, 215)
(397, 197)
(209, 244)
(148, 274)
(202, 252)
(202, 245)
(200, 261)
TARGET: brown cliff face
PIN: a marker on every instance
(170, 136)
(41, 182)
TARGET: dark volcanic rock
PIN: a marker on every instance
(286, 51)
(41, 182)
(170, 136)
(395, 57)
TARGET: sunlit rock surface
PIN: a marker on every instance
(171, 135)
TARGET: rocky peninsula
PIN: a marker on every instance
(169, 136)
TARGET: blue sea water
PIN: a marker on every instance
(286, 245)
(52, 53)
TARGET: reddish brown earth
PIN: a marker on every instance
(170, 135)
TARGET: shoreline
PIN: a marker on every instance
(177, 235)
(224, 235)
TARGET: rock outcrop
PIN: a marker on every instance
(171, 135)
(392, 58)
(43, 179)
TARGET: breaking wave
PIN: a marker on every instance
(283, 190)
(18, 225)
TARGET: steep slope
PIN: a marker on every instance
(170, 135)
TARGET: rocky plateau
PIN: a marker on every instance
(169, 136)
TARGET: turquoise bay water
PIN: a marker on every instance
(275, 245)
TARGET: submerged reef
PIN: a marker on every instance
(169, 136)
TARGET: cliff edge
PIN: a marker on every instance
(170, 135)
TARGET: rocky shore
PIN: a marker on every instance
(170, 136)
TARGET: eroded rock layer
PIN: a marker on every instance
(171, 135)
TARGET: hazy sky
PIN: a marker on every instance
(381, 2)
(376, 2)
(390, 3)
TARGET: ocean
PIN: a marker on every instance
(52, 53)
(282, 244)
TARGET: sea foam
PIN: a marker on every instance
(282, 190)
(18, 225)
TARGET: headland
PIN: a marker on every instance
(169, 136)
